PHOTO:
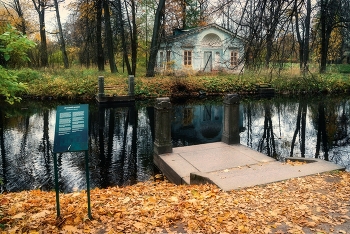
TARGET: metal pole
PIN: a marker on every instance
(87, 182)
(56, 185)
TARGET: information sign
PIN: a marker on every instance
(71, 132)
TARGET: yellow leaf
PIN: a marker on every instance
(126, 200)
(41, 214)
(70, 228)
(195, 193)
(139, 225)
(174, 199)
(242, 228)
(152, 199)
(19, 215)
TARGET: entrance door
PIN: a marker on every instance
(208, 61)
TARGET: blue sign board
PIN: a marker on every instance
(71, 131)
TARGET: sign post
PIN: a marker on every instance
(71, 135)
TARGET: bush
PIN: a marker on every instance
(9, 86)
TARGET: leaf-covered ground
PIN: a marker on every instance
(314, 204)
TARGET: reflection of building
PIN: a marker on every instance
(197, 124)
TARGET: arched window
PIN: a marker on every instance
(211, 40)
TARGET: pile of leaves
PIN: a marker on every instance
(313, 204)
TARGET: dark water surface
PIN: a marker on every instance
(121, 138)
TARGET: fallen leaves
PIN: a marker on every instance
(295, 162)
(291, 206)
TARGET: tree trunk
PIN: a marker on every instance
(306, 46)
(43, 53)
(120, 20)
(40, 7)
(100, 55)
(303, 41)
(22, 25)
(275, 11)
(324, 47)
(269, 46)
(62, 42)
(109, 37)
(134, 39)
(184, 17)
(155, 39)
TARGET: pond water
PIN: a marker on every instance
(121, 138)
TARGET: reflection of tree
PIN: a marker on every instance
(132, 167)
(124, 168)
(2, 151)
(46, 147)
(300, 128)
(321, 132)
(150, 114)
(342, 137)
(268, 135)
(105, 159)
(249, 125)
(124, 149)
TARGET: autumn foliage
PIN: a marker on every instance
(314, 204)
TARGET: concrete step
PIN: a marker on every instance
(232, 166)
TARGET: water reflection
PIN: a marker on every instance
(197, 124)
(314, 128)
(121, 138)
(120, 148)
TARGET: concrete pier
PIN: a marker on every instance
(232, 166)
(227, 164)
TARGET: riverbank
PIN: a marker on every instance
(82, 83)
(313, 204)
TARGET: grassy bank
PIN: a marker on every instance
(82, 83)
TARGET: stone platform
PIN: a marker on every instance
(232, 166)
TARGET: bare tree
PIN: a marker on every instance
(100, 54)
(17, 7)
(40, 7)
(155, 39)
(302, 28)
(128, 30)
(109, 37)
(332, 14)
(60, 32)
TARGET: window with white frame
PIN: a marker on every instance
(234, 58)
(161, 59)
(168, 55)
(187, 57)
